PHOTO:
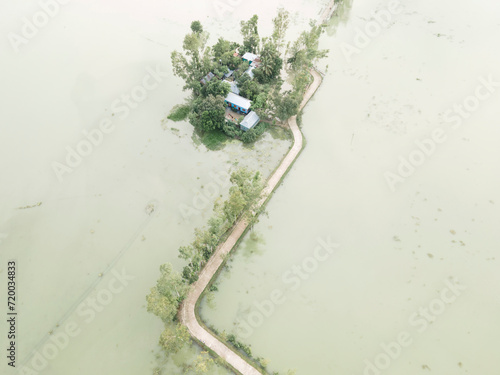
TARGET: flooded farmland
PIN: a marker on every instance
(381, 242)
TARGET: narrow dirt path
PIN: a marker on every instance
(187, 311)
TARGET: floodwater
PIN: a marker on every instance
(412, 287)
(89, 236)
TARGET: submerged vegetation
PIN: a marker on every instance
(210, 73)
(179, 113)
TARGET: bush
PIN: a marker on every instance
(253, 134)
(231, 130)
(179, 112)
(238, 345)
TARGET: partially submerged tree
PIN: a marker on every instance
(243, 195)
(204, 363)
(165, 297)
(174, 338)
(196, 61)
(196, 27)
(208, 113)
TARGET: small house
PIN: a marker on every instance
(207, 78)
(238, 103)
(250, 57)
(234, 87)
(249, 71)
(250, 121)
(228, 74)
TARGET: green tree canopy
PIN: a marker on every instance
(280, 22)
(208, 113)
(216, 88)
(195, 62)
(174, 338)
(287, 104)
(165, 297)
(271, 63)
(305, 51)
(196, 27)
(250, 33)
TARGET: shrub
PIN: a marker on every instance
(179, 112)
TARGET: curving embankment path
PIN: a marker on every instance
(187, 311)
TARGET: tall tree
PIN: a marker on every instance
(271, 62)
(250, 33)
(196, 27)
(281, 23)
(165, 297)
(287, 104)
(174, 338)
(305, 51)
(195, 62)
(243, 195)
(203, 363)
(216, 88)
(208, 113)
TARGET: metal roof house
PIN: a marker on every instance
(228, 74)
(250, 57)
(238, 103)
(250, 121)
(207, 78)
(249, 71)
(234, 87)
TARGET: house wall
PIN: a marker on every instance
(239, 109)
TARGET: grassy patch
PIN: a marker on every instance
(179, 113)
(214, 140)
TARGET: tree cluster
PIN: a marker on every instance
(171, 288)
(243, 196)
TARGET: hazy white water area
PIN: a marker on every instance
(413, 286)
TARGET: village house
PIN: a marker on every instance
(228, 74)
(249, 71)
(207, 78)
(249, 121)
(238, 103)
(250, 57)
(234, 87)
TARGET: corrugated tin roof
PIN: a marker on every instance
(250, 120)
(228, 74)
(250, 56)
(249, 71)
(238, 100)
(207, 78)
(234, 87)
